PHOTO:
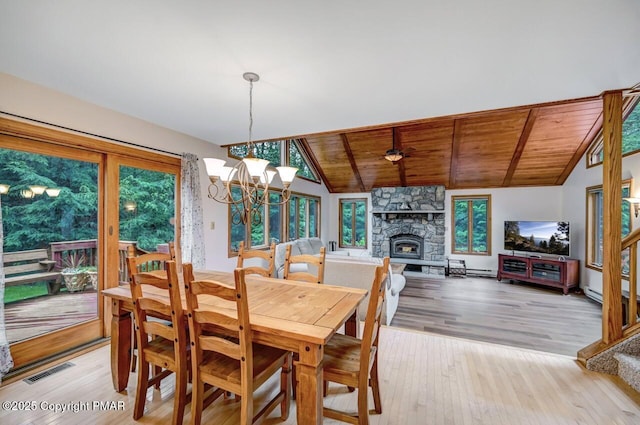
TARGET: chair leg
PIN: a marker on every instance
(141, 390)
(375, 386)
(197, 399)
(246, 408)
(134, 346)
(180, 396)
(157, 370)
(363, 406)
(285, 385)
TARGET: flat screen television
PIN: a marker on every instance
(539, 237)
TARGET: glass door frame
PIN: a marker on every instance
(24, 136)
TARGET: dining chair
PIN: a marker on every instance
(232, 363)
(162, 344)
(354, 362)
(147, 262)
(265, 257)
(300, 267)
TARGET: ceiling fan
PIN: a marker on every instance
(394, 155)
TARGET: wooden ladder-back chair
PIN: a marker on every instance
(266, 256)
(312, 261)
(147, 262)
(354, 362)
(160, 343)
(231, 363)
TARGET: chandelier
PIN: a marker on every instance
(252, 175)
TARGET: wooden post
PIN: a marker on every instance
(612, 217)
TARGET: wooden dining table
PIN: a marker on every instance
(295, 316)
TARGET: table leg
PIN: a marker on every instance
(120, 346)
(352, 325)
(310, 384)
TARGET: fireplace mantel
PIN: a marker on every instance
(384, 213)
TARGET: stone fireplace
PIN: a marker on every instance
(409, 224)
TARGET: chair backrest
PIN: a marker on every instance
(267, 257)
(374, 317)
(236, 326)
(146, 306)
(150, 261)
(313, 262)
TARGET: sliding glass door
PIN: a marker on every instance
(73, 206)
(51, 224)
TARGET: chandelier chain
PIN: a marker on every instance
(250, 147)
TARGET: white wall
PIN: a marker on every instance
(26, 99)
(529, 203)
(575, 206)
(532, 203)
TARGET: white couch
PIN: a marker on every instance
(354, 272)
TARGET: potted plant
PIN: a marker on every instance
(72, 274)
(91, 273)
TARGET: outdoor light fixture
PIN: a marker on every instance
(4, 189)
(52, 192)
(253, 177)
(130, 206)
(37, 190)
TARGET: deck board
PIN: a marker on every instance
(37, 316)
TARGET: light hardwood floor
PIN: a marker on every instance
(515, 314)
(425, 379)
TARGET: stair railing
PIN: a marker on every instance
(631, 242)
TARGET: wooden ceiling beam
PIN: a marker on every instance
(522, 142)
(456, 141)
(352, 161)
(586, 142)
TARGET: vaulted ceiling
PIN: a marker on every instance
(448, 76)
(536, 145)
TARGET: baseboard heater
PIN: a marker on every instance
(594, 295)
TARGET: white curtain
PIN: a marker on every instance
(192, 231)
(6, 362)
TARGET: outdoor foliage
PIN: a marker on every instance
(31, 223)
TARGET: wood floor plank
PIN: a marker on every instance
(515, 314)
(424, 377)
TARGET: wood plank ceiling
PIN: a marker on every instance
(536, 145)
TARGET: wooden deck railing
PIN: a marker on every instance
(88, 250)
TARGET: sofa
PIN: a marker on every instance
(342, 270)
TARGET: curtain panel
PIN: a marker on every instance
(192, 246)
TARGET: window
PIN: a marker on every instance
(471, 224)
(353, 223)
(293, 151)
(630, 133)
(303, 217)
(265, 150)
(595, 229)
(262, 230)
(297, 158)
